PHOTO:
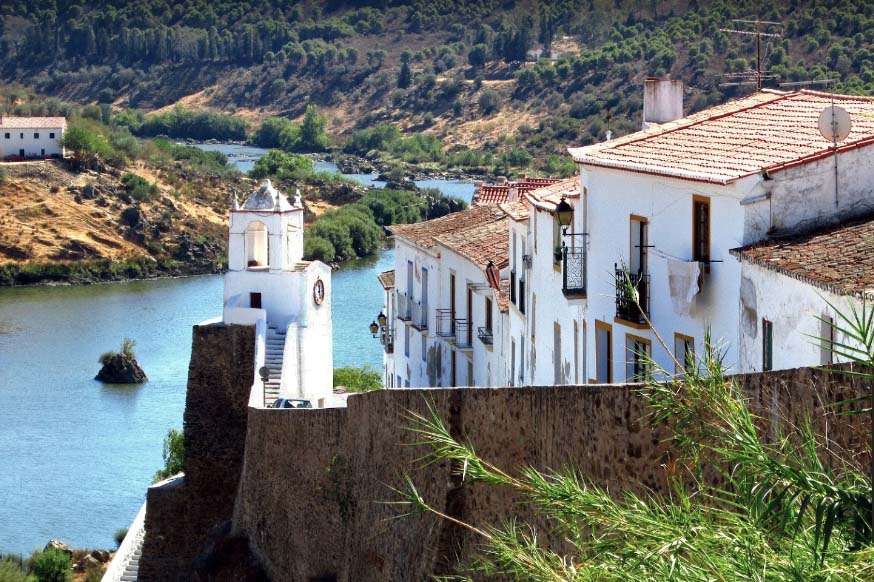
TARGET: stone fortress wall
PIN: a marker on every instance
(303, 491)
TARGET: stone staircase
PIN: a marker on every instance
(273, 360)
(133, 566)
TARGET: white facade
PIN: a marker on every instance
(447, 321)
(31, 137)
(288, 299)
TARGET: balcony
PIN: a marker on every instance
(626, 308)
(574, 272)
(387, 339)
(403, 306)
(463, 335)
(485, 336)
(445, 323)
(419, 316)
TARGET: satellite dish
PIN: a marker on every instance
(834, 123)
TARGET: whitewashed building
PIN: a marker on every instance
(445, 316)
(790, 288)
(665, 206)
(268, 284)
(31, 137)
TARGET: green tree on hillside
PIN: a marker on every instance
(312, 131)
(174, 455)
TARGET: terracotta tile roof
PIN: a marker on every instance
(516, 210)
(548, 197)
(481, 243)
(387, 279)
(31, 122)
(423, 233)
(770, 130)
(837, 259)
(500, 193)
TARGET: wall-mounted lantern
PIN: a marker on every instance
(374, 328)
(381, 319)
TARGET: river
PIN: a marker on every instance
(78, 455)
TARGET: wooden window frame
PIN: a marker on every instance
(638, 339)
(681, 358)
(644, 257)
(609, 329)
(696, 199)
(767, 345)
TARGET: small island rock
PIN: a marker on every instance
(121, 369)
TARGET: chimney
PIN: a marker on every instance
(662, 100)
(513, 194)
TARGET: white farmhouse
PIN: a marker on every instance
(288, 299)
(446, 307)
(790, 288)
(663, 207)
(31, 137)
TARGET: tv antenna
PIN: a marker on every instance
(763, 29)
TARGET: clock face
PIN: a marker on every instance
(319, 292)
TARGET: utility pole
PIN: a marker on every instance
(763, 29)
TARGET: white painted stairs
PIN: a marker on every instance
(273, 354)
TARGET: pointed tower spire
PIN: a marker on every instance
(297, 201)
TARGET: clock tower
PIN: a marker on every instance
(288, 299)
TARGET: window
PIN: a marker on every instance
(255, 300)
(7, 135)
(827, 340)
(701, 231)
(36, 136)
(407, 341)
(556, 353)
(21, 135)
(637, 354)
(453, 360)
(767, 345)
(556, 242)
(424, 348)
(684, 352)
(639, 242)
(410, 280)
(488, 315)
(470, 381)
(51, 135)
(603, 353)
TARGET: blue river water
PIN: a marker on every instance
(76, 456)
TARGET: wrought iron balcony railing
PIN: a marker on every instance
(463, 334)
(445, 323)
(626, 308)
(485, 335)
(574, 271)
(403, 306)
(419, 316)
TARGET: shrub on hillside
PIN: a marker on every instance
(139, 188)
(316, 248)
(489, 101)
(12, 571)
(119, 536)
(53, 566)
(182, 123)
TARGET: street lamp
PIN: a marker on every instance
(264, 372)
(565, 214)
(374, 328)
(381, 319)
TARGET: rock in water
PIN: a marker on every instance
(121, 369)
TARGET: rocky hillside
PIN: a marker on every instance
(463, 70)
(58, 225)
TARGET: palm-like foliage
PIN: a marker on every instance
(776, 510)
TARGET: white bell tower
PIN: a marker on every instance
(268, 284)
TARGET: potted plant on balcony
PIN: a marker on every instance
(558, 253)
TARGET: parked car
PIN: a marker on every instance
(291, 403)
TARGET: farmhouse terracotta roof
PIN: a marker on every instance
(770, 130)
(548, 197)
(837, 259)
(500, 193)
(387, 279)
(423, 233)
(31, 122)
(481, 243)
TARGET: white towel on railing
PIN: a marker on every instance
(683, 281)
